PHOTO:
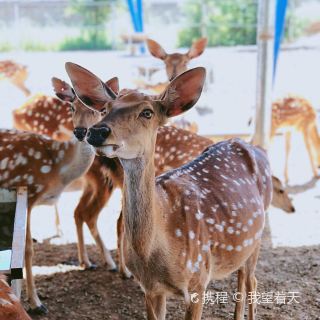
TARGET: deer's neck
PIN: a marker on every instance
(81, 156)
(140, 204)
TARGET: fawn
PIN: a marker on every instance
(10, 307)
(199, 222)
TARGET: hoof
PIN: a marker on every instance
(125, 276)
(115, 269)
(91, 267)
(38, 310)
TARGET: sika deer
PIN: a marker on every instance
(186, 147)
(15, 73)
(10, 307)
(298, 114)
(199, 222)
(46, 167)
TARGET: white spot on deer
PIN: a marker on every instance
(199, 215)
(189, 265)
(229, 247)
(37, 155)
(186, 208)
(191, 235)
(230, 230)
(205, 170)
(30, 152)
(4, 163)
(210, 221)
(178, 233)
(219, 227)
(45, 169)
(250, 222)
(238, 248)
(239, 224)
(30, 179)
(245, 229)
(233, 213)
(216, 167)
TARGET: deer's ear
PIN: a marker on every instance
(183, 92)
(88, 87)
(113, 84)
(197, 48)
(156, 50)
(63, 90)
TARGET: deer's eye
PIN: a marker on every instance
(72, 108)
(281, 191)
(147, 113)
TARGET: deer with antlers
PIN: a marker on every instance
(15, 73)
(298, 114)
(10, 307)
(199, 222)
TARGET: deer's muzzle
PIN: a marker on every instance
(98, 134)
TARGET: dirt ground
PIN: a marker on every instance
(99, 294)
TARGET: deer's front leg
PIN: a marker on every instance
(156, 306)
(124, 272)
(194, 309)
(35, 304)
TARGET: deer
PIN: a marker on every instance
(175, 63)
(15, 73)
(297, 114)
(193, 224)
(10, 307)
(43, 114)
(46, 166)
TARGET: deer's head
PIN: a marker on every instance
(82, 117)
(130, 126)
(280, 197)
(176, 63)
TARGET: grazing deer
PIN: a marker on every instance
(199, 222)
(15, 73)
(10, 307)
(46, 167)
(297, 114)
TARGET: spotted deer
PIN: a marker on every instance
(16, 73)
(46, 167)
(175, 63)
(199, 222)
(10, 307)
(295, 113)
(186, 147)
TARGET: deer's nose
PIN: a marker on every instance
(98, 134)
(80, 133)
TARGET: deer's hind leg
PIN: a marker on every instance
(251, 281)
(241, 295)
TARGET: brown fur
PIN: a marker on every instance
(10, 307)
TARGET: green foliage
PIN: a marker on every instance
(5, 47)
(85, 42)
(92, 22)
(225, 23)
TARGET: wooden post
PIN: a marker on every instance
(265, 42)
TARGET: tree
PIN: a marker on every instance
(225, 23)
